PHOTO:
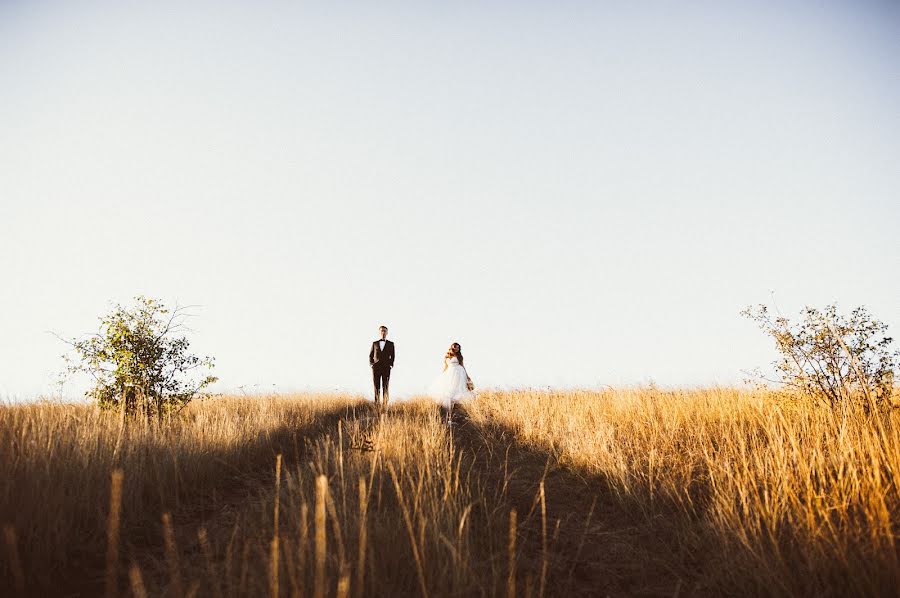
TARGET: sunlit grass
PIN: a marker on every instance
(774, 489)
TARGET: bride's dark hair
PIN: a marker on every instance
(458, 353)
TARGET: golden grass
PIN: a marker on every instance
(793, 498)
(621, 492)
(57, 460)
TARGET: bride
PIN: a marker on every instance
(453, 384)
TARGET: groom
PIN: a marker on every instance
(381, 360)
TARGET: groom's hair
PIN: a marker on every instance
(382, 327)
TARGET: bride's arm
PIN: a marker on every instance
(446, 361)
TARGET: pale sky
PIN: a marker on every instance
(578, 192)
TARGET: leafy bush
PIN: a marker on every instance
(139, 360)
(843, 360)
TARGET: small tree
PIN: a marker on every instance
(844, 361)
(139, 360)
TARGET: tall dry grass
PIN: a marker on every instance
(532, 493)
(767, 494)
(56, 462)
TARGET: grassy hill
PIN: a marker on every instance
(531, 493)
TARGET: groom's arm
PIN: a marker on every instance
(372, 355)
(393, 354)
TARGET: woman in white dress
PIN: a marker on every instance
(452, 385)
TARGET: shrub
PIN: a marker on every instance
(139, 360)
(842, 360)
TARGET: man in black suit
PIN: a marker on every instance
(381, 360)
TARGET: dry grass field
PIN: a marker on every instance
(629, 492)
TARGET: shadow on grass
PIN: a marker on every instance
(578, 540)
(607, 541)
(190, 488)
(581, 536)
(595, 545)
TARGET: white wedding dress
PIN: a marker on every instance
(450, 386)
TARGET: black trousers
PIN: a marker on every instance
(381, 377)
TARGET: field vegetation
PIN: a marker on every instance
(621, 492)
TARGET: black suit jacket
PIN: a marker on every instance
(379, 358)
